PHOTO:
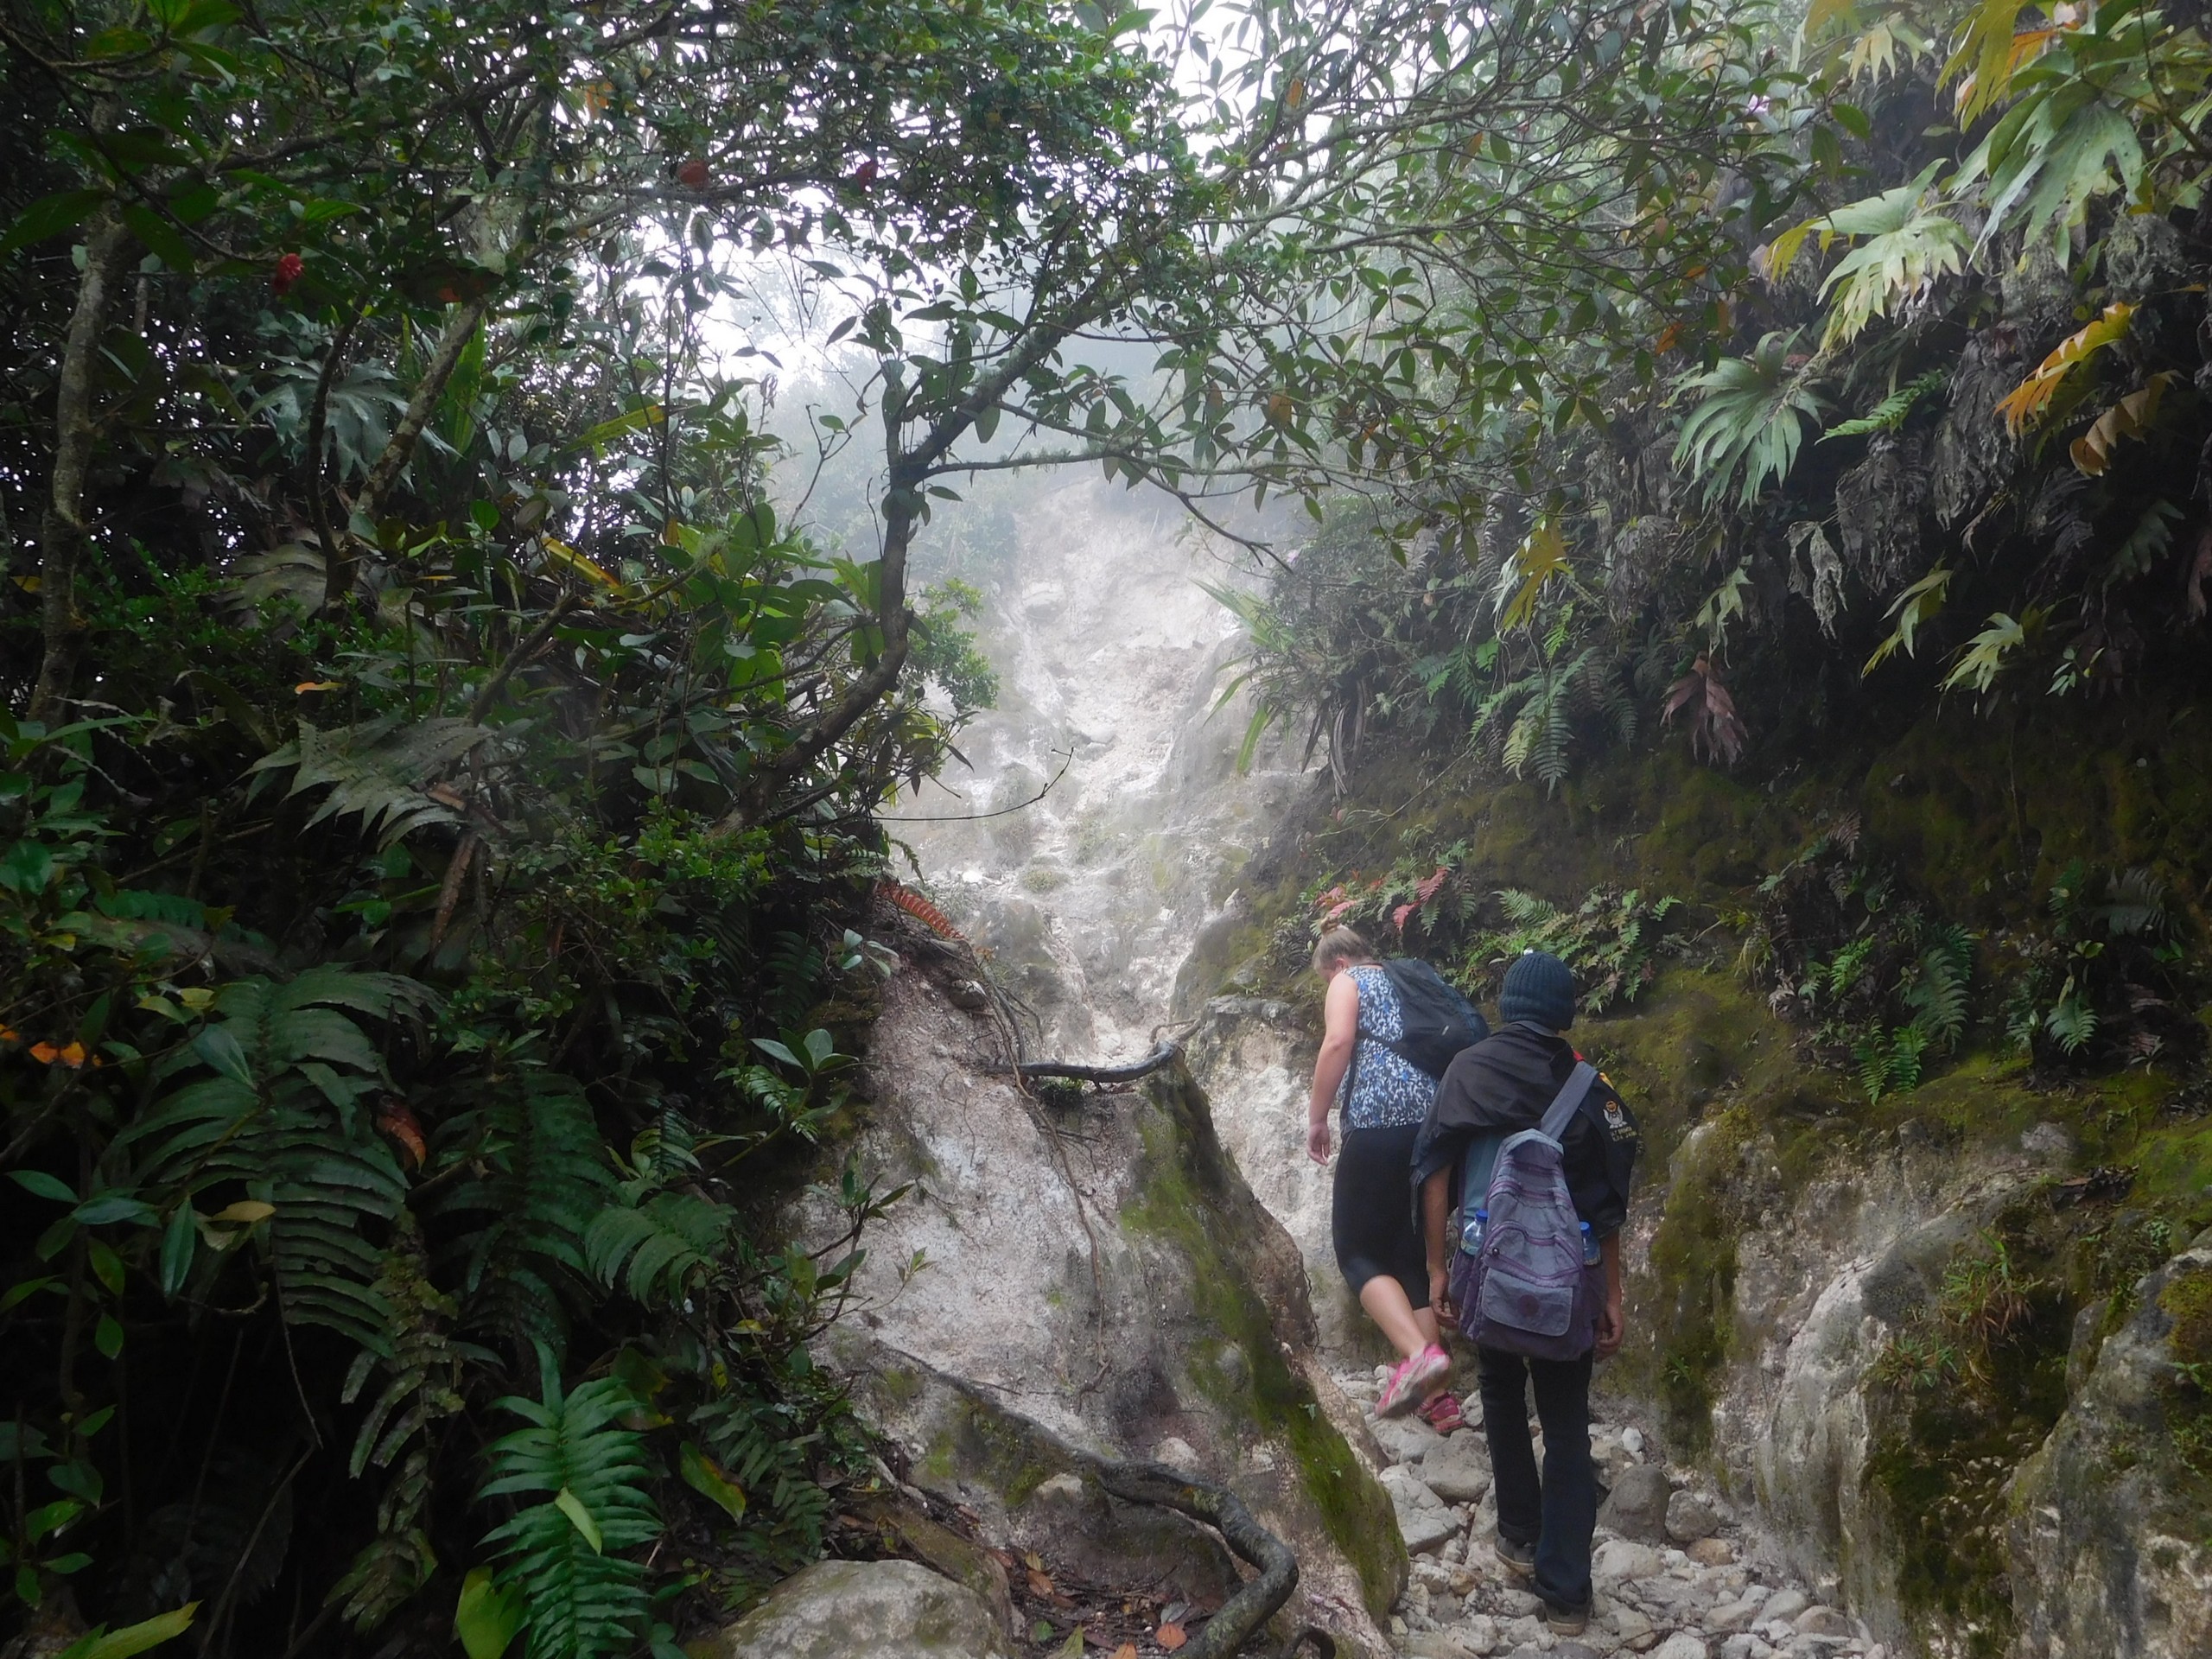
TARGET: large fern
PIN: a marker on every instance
(655, 1250)
(1536, 714)
(279, 1121)
(534, 1172)
(580, 1598)
(377, 771)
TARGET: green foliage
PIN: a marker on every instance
(2104, 982)
(1889, 413)
(1884, 984)
(581, 1597)
(1749, 423)
(1614, 941)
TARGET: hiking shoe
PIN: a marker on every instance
(1519, 1559)
(1411, 1380)
(1566, 1621)
(1441, 1412)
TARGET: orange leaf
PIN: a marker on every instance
(1170, 1637)
(396, 1121)
(45, 1053)
(1126, 1650)
(306, 686)
(2033, 395)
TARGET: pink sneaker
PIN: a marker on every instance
(1411, 1380)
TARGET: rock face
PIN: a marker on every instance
(1255, 1057)
(1093, 1279)
(2106, 1560)
(862, 1609)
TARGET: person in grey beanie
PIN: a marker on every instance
(1500, 1086)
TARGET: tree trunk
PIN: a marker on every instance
(63, 533)
(902, 503)
(460, 329)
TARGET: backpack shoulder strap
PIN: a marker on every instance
(1568, 1101)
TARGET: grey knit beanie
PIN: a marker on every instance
(1538, 986)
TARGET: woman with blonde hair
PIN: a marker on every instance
(1384, 1099)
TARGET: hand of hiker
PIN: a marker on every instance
(1317, 1140)
(1612, 1328)
(1439, 1298)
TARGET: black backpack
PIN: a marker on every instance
(1437, 1023)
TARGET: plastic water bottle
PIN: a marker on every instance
(1471, 1236)
(1589, 1247)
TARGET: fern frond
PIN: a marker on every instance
(580, 1598)
(654, 1250)
(279, 1118)
(377, 770)
(2071, 1022)
(539, 1174)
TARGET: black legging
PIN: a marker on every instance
(1371, 1211)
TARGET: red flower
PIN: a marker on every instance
(694, 173)
(864, 175)
(289, 266)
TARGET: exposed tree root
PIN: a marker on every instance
(1159, 1057)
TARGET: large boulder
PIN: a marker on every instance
(1637, 1507)
(1096, 1280)
(2106, 1531)
(862, 1609)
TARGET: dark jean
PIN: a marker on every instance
(1559, 1513)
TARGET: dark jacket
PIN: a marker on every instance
(1505, 1083)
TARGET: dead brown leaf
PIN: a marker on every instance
(1126, 1650)
(1170, 1637)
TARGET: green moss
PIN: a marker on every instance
(2187, 1300)
(899, 1386)
(1189, 1197)
(1988, 1386)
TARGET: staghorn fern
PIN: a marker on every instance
(580, 1598)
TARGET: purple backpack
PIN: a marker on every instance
(1525, 1280)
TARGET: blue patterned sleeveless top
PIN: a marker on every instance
(1387, 1091)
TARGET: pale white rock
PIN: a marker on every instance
(1712, 1552)
(1458, 1469)
(1627, 1622)
(1682, 1644)
(1405, 1439)
(1620, 1559)
(1822, 1621)
(1478, 1633)
(1691, 1517)
(1177, 1453)
(1784, 1605)
(1422, 1518)
(1731, 1616)
(863, 1610)
(1632, 1441)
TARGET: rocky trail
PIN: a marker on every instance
(1680, 1575)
